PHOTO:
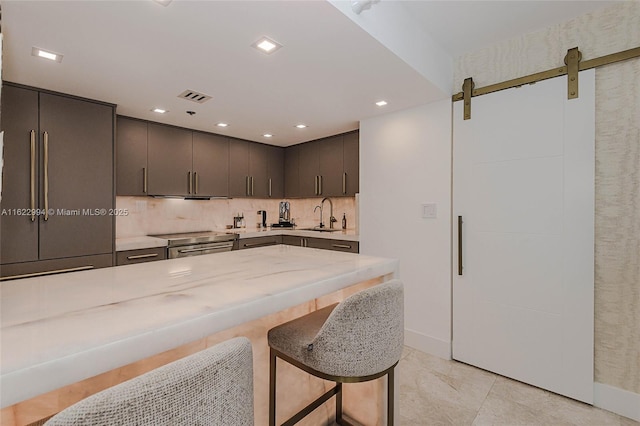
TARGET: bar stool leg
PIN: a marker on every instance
(339, 403)
(272, 388)
(390, 397)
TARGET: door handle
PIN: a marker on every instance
(460, 245)
(46, 175)
(33, 175)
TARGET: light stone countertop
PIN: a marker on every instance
(60, 329)
(347, 235)
(135, 243)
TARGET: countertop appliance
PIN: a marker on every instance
(284, 216)
(262, 219)
(197, 243)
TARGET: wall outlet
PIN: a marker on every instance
(429, 210)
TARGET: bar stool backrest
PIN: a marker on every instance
(364, 334)
(211, 387)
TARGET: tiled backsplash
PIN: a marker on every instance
(148, 215)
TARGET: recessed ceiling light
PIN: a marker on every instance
(268, 135)
(301, 126)
(41, 53)
(159, 110)
(381, 103)
(222, 124)
(163, 2)
(266, 45)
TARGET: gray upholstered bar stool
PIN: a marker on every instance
(211, 387)
(357, 340)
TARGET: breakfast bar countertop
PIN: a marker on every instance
(60, 329)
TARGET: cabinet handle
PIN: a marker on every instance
(320, 185)
(145, 180)
(342, 246)
(459, 245)
(195, 178)
(252, 192)
(142, 256)
(247, 189)
(315, 188)
(344, 183)
(46, 175)
(190, 182)
(33, 175)
(270, 187)
(266, 243)
(41, 274)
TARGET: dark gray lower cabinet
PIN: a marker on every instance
(247, 243)
(322, 243)
(130, 257)
(57, 266)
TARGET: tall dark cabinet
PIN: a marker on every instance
(57, 183)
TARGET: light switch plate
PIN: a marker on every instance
(429, 210)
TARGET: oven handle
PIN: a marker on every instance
(224, 247)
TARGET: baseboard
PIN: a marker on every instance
(616, 400)
(427, 344)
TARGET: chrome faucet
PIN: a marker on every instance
(332, 219)
(314, 210)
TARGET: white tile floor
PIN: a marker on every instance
(434, 391)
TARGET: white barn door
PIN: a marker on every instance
(523, 185)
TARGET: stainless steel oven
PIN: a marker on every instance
(197, 243)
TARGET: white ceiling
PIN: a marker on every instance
(140, 55)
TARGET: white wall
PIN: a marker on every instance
(405, 160)
(394, 27)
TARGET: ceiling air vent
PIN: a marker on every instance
(193, 96)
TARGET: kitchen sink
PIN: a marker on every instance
(318, 229)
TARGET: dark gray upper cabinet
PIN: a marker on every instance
(154, 159)
(210, 165)
(309, 169)
(58, 159)
(170, 161)
(275, 170)
(351, 171)
(323, 168)
(258, 166)
(131, 156)
(291, 171)
(239, 179)
(255, 170)
(330, 155)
